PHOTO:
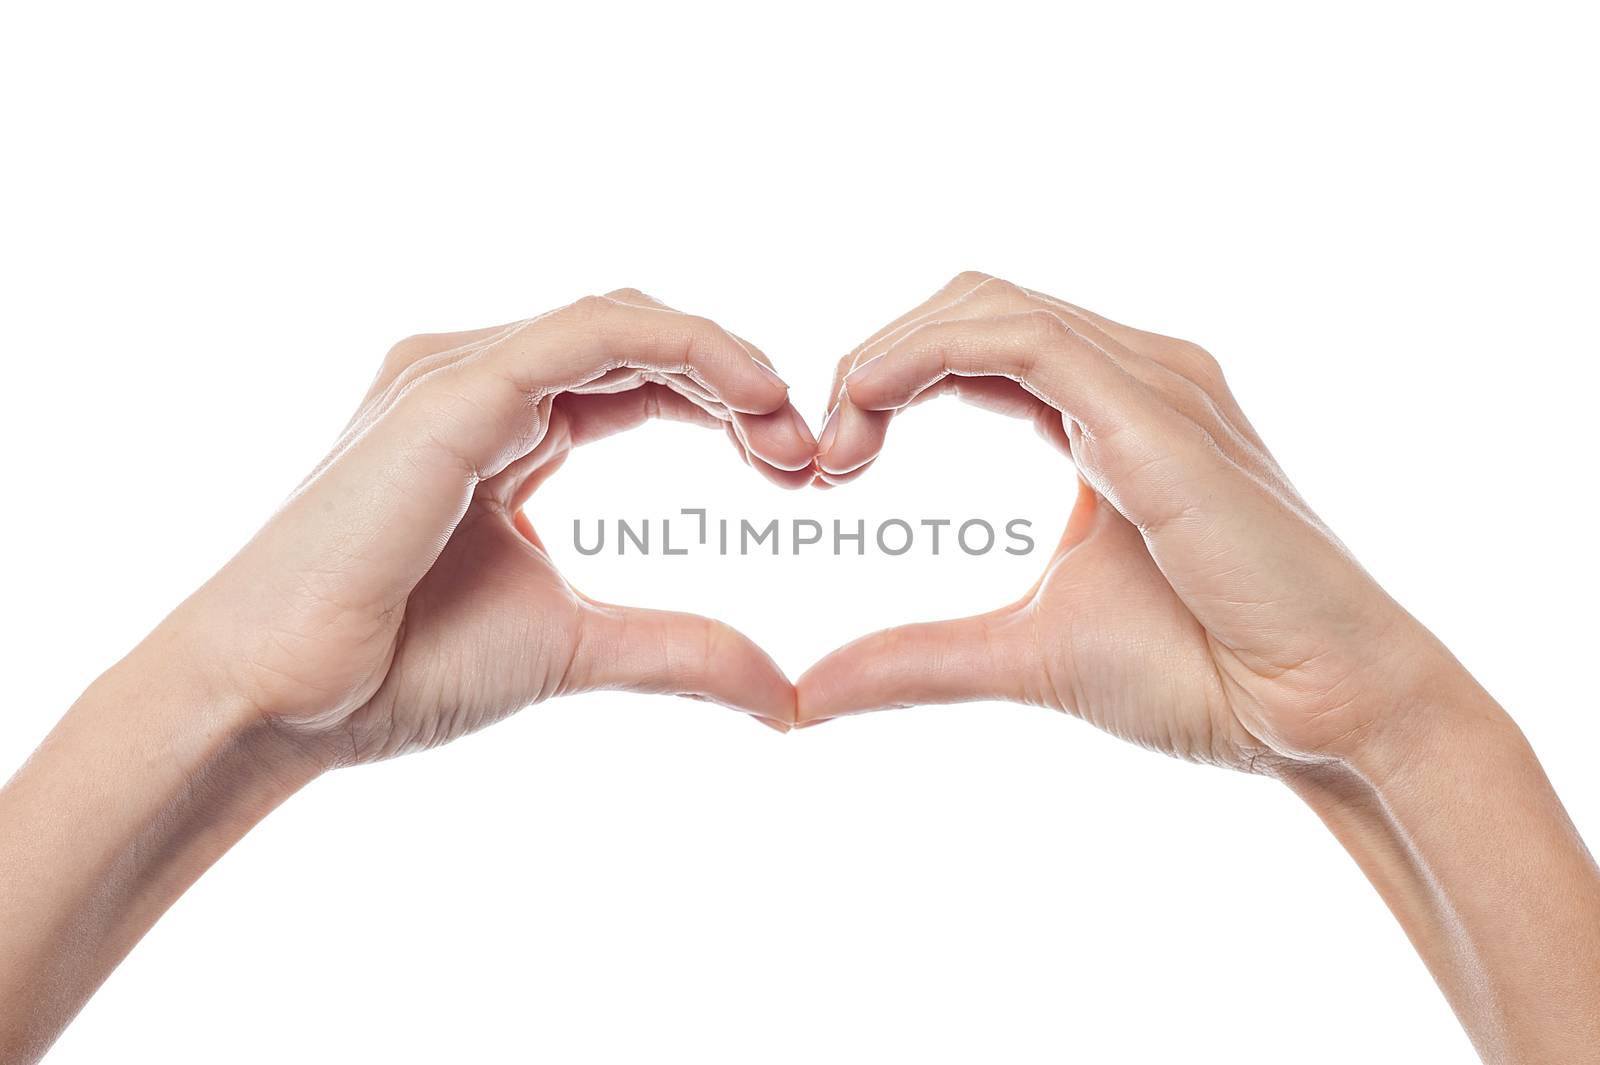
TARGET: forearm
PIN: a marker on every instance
(145, 782)
(1457, 826)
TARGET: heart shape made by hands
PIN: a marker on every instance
(1165, 654)
(802, 571)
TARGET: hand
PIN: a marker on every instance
(401, 599)
(1195, 604)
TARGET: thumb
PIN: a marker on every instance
(662, 652)
(988, 656)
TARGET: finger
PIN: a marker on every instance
(627, 379)
(995, 394)
(1035, 349)
(407, 359)
(596, 417)
(851, 438)
(579, 419)
(478, 409)
(643, 299)
(1187, 377)
(1002, 396)
(662, 652)
(834, 480)
(775, 444)
(1127, 335)
(397, 486)
(966, 660)
(981, 358)
(839, 467)
(858, 441)
(788, 479)
(1133, 447)
(952, 291)
(575, 344)
(780, 440)
(1219, 533)
(1154, 356)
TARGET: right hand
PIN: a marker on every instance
(1195, 604)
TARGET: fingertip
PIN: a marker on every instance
(769, 395)
(789, 480)
(781, 438)
(834, 480)
(664, 652)
(838, 684)
(962, 660)
(738, 673)
(853, 439)
(865, 385)
(769, 373)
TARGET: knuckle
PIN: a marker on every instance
(1194, 439)
(418, 386)
(408, 377)
(1189, 398)
(998, 290)
(412, 363)
(1198, 362)
(627, 293)
(969, 279)
(699, 331)
(686, 340)
(714, 643)
(417, 410)
(925, 333)
(1046, 323)
(589, 308)
(709, 329)
(407, 351)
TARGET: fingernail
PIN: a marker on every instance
(803, 431)
(864, 372)
(770, 372)
(812, 724)
(830, 429)
(776, 726)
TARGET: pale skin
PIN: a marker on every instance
(1195, 605)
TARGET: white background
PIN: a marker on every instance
(1380, 218)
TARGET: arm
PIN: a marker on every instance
(1197, 606)
(1462, 835)
(144, 783)
(397, 600)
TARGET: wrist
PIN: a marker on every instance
(1437, 717)
(167, 699)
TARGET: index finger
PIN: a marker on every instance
(852, 437)
(405, 478)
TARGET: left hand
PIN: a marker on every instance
(400, 598)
